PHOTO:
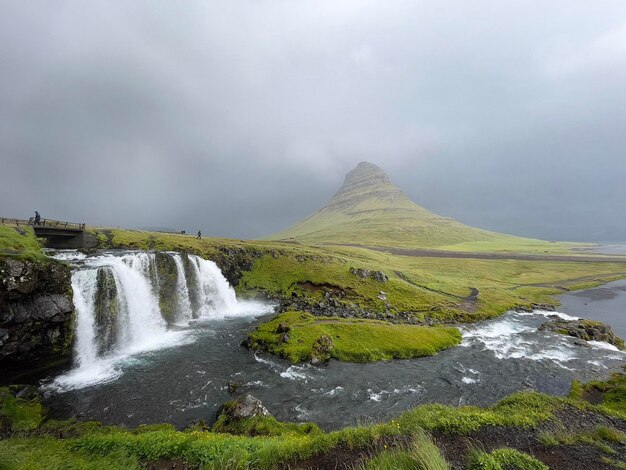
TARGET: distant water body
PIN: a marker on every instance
(610, 249)
(605, 303)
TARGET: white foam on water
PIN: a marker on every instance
(295, 373)
(137, 323)
(302, 413)
(548, 313)
(334, 391)
(66, 255)
(255, 383)
(405, 390)
(598, 364)
(109, 368)
(603, 345)
(265, 361)
(508, 337)
(469, 380)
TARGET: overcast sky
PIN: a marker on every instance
(241, 118)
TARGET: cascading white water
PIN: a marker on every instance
(215, 296)
(142, 322)
(184, 302)
(120, 314)
(84, 285)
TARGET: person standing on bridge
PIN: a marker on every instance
(199, 235)
(37, 218)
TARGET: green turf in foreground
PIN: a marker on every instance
(18, 414)
(354, 340)
(423, 454)
(610, 393)
(504, 459)
(94, 446)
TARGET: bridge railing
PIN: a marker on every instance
(43, 223)
(14, 222)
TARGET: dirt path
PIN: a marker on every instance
(420, 253)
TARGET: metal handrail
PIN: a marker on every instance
(48, 223)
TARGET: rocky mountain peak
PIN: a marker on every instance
(364, 174)
(364, 181)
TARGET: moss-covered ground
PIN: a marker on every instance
(609, 393)
(51, 444)
(21, 243)
(355, 340)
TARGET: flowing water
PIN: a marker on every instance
(143, 367)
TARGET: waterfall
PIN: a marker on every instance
(215, 296)
(126, 303)
(182, 291)
(84, 285)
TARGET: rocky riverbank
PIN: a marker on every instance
(36, 312)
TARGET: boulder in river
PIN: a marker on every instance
(588, 330)
(244, 407)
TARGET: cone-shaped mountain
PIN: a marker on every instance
(369, 210)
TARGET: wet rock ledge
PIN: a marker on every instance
(588, 330)
(36, 312)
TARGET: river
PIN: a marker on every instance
(185, 375)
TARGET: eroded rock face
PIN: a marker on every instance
(588, 330)
(36, 311)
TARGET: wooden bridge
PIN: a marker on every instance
(57, 233)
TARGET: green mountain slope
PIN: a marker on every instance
(369, 210)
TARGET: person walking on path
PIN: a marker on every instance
(199, 235)
(37, 218)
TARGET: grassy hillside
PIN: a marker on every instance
(369, 210)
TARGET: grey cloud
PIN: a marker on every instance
(242, 117)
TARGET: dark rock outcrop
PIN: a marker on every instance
(588, 330)
(322, 349)
(244, 407)
(36, 311)
(378, 276)
(234, 261)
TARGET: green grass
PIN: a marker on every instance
(428, 288)
(601, 437)
(612, 392)
(55, 454)
(18, 414)
(504, 458)
(21, 243)
(352, 340)
(89, 445)
(262, 426)
(423, 454)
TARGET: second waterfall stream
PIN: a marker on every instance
(133, 302)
